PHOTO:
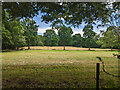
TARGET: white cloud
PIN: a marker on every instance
(43, 30)
(97, 30)
(76, 31)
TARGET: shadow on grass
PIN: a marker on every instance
(9, 50)
(6, 50)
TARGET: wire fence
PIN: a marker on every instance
(103, 68)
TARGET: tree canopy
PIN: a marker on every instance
(89, 35)
(30, 29)
(110, 38)
(73, 13)
(12, 33)
(77, 40)
(64, 34)
(50, 38)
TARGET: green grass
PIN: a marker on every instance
(57, 69)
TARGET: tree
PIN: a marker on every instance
(21, 9)
(40, 40)
(30, 31)
(12, 33)
(89, 35)
(13, 37)
(77, 40)
(64, 34)
(17, 34)
(112, 18)
(109, 39)
(6, 38)
(50, 38)
(96, 38)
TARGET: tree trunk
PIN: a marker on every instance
(64, 47)
(89, 49)
(28, 47)
(111, 49)
(17, 48)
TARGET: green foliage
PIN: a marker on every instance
(40, 40)
(77, 40)
(88, 36)
(6, 38)
(73, 13)
(17, 33)
(50, 38)
(21, 9)
(110, 38)
(88, 31)
(111, 19)
(12, 33)
(64, 34)
(30, 29)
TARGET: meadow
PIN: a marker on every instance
(58, 68)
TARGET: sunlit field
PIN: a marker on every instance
(61, 48)
(58, 68)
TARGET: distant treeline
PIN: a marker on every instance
(107, 39)
(18, 33)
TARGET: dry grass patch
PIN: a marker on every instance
(67, 48)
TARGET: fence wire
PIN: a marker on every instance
(103, 68)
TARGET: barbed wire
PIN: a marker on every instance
(103, 68)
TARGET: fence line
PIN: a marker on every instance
(103, 68)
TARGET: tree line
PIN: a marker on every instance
(90, 39)
(19, 33)
(19, 30)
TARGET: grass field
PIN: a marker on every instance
(57, 69)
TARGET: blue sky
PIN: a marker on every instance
(43, 26)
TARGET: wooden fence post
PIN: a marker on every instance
(97, 75)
